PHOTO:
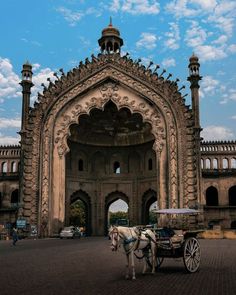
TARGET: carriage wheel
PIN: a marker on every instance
(192, 255)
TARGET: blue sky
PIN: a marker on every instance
(54, 34)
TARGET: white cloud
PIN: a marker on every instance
(148, 41)
(9, 81)
(205, 4)
(229, 95)
(70, 16)
(179, 9)
(10, 123)
(173, 37)
(217, 133)
(209, 52)
(39, 78)
(9, 140)
(233, 117)
(209, 85)
(232, 48)
(225, 24)
(195, 35)
(221, 40)
(168, 62)
(136, 6)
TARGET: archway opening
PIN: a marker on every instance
(233, 224)
(150, 205)
(109, 148)
(118, 213)
(212, 196)
(78, 212)
(15, 197)
(232, 196)
(152, 217)
(78, 215)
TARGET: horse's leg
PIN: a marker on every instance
(153, 250)
(127, 266)
(132, 265)
(144, 264)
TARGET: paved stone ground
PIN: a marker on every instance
(88, 266)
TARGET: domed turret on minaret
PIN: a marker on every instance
(110, 42)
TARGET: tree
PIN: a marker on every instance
(114, 216)
(78, 213)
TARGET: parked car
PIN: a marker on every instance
(70, 232)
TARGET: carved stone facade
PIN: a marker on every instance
(110, 112)
(218, 163)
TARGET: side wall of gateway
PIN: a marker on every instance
(218, 163)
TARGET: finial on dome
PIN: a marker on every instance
(110, 41)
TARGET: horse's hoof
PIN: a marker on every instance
(133, 278)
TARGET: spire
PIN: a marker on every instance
(110, 42)
(194, 78)
(26, 84)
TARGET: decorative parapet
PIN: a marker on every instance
(218, 147)
(10, 151)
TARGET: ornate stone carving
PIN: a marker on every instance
(59, 111)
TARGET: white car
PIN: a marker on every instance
(70, 232)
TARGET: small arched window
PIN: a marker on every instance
(215, 164)
(81, 165)
(150, 166)
(4, 167)
(116, 167)
(202, 163)
(13, 167)
(233, 163)
(208, 164)
(225, 164)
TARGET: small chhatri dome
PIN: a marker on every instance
(193, 58)
(27, 72)
(193, 66)
(110, 42)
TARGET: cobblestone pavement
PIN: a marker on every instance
(88, 266)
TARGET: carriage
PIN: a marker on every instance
(175, 238)
(178, 238)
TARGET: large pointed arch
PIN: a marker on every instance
(117, 79)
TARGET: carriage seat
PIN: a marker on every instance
(168, 236)
(177, 238)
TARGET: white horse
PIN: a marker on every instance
(134, 239)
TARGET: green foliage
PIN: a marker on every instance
(152, 217)
(78, 213)
(117, 215)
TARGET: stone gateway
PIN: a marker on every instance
(109, 129)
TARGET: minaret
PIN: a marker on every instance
(194, 79)
(26, 84)
(110, 42)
